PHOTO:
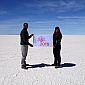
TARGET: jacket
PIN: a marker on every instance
(57, 40)
(24, 36)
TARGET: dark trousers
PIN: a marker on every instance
(57, 57)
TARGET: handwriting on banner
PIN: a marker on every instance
(43, 40)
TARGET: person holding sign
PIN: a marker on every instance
(24, 36)
(57, 36)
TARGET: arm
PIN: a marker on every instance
(60, 37)
(30, 44)
(30, 36)
(24, 38)
(54, 41)
(28, 41)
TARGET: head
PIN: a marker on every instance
(57, 31)
(25, 25)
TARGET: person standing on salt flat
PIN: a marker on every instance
(24, 36)
(57, 36)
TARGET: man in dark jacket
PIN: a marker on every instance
(24, 36)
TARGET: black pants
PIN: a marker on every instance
(57, 57)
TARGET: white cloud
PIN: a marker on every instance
(3, 12)
(67, 23)
(57, 5)
(71, 17)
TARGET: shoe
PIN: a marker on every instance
(24, 67)
(54, 64)
(27, 64)
(58, 66)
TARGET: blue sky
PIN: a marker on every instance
(42, 16)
